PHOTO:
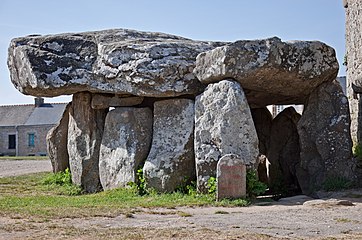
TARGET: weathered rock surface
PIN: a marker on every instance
(57, 141)
(171, 161)
(125, 145)
(325, 140)
(118, 61)
(223, 125)
(269, 70)
(353, 61)
(84, 139)
(262, 119)
(284, 151)
(328, 203)
(231, 177)
(101, 101)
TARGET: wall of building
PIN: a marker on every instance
(39, 147)
(22, 139)
(4, 141)
(353, 61)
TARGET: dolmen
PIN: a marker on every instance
(174, 107)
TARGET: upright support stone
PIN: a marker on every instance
(57, 141)
(284, 152)
(353, 61)
(84, 139)
(263, 121)
(170, 162)
(325, 139)
(231, 177)
(224, 125)
(125, 145)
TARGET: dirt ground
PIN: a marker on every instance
(10, 168)
(292, 218)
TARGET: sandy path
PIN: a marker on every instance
(19, 167)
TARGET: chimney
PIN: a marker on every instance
(39, 101)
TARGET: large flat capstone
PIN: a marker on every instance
(119, 61)
(269, 70)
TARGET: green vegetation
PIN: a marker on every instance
(139, 186)
(48, 195)
(357, 153)
(211, 185)
(253, 186)
(336, 183)
(24, 158)
(61, 183)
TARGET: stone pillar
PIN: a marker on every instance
(84, 139)
(325, 139)
(171, 161)
(262, 120)
(125, 145)
(231, 177)
(224, 125)
(353, 61)
(284, 152)
(57, 142)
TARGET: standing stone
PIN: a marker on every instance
(57, 141)
(353, 61)
(224, 125)
(262, 120)
(84, 139)
(125, 145)
(231, 177)
(325, 139)
(170, 162)
(284, 152)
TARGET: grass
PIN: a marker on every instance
(336, 183)
(24, 158)
(28, 196)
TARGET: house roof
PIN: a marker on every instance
(17, 115)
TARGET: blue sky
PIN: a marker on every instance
(226, 20)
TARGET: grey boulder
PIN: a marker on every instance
(223, 125)
(284, 152)
(325, 139)
(85, 131)
(270, 71)
(171, 161)
(118, 61)
(57, 142)
(125, 144)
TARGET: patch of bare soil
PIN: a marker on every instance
(10, 168)
(286, 219)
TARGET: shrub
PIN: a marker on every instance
(253, 186)
(140, 185)
(211, 185)
(336, 183)
(62, 181)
